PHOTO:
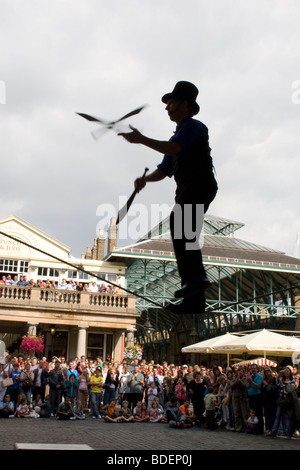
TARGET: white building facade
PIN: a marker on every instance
(89, 322)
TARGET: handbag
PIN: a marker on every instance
(7, 382)
(226, 400)
(27, 382)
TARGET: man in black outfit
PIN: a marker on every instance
(187, 158)
(56, 383)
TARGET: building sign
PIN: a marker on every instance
(9, 247)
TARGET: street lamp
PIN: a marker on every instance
(148, 327)
(193, 335)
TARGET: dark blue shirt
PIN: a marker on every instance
(192, 167)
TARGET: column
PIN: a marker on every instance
(81, 341)
(118, 345)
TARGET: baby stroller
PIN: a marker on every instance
(219, 416)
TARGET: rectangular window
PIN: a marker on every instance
(109, 347)
(78, 275)
(13, 266)
(48, 273)
(95, 345)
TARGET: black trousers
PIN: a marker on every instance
(256, 404)
(133, 398)
(186, 221)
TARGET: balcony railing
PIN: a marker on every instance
(15, 292)
(58, 296)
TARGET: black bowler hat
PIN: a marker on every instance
(185, 91)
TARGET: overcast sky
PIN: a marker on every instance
(105, 58)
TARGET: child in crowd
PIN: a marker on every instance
(137, 409)
(141, 412)
(44, 409)
(110, 410)
(155, 413)
(251, 424)
(7, 408)
(125, 413)
(22, 408)
(65, 410)
(151, 393)
(185, 410)
(79, 410)
(72, 386)
(180, 391)
(210, 402)
(174, 417)
(37, 402)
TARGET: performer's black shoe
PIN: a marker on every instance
(193, 286)
(193, 305)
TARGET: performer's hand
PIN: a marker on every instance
(134, 137)
(140, 183)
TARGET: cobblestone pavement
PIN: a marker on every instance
(132, 436)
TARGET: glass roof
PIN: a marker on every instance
(213, 225)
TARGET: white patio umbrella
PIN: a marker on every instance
(262, 342)
(207, 345)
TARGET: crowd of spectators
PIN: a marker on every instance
(256, 400)
(68, 285)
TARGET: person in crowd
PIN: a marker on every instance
(14, 389)
(270, 397)
(223, 401)
(40, 379)
(210, 402)
(158, 380)
(22, 407)
(7, 407)
(252, 423)
(136, 383)
(96, 387)
(141, 412)
(26, 382)
(238, 395)
(185, 410)
(72, 369)
(83, 389)
(56, 384)
(151, 393)
(168, 386)
(124, 387)
(255, 396)
(180, 376)
(285, 412)
(110, 385)
(180, 391)
(65, 410)
(44, 409)
(111, 413)
(156, 413)
(189, 375)
(72, 388)
(196, 390)
(174, 417)
(79, 410)
(125, 413)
